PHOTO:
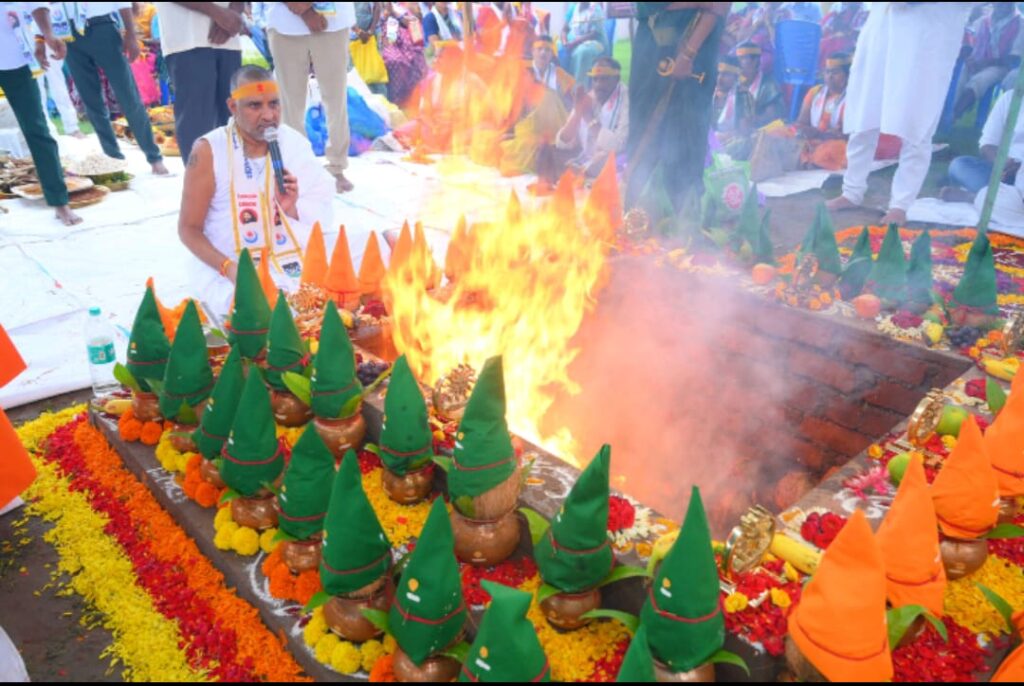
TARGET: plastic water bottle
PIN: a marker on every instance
(99, 338)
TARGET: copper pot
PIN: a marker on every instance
(146, 407)
(411, 488)
(344, 614)
(181, 437)
(962, 557)
(256, 513)
(916, 628)
(565, 610)
(436, 669)
(301, 556)
(800, 668)
(210, 474)
(485, 542)
(700, 675)
(1008, 510)
(289, 410)
(501, 499)
(342, 434)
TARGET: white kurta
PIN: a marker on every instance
(903, 66)
(316, 194)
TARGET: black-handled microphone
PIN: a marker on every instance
(270, 136)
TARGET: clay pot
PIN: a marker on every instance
(800, 667)
(288, 410)
(825, 280)
(913, 631)
(701, 675)
(344, 614)
(146, 407)
(965, 316)
(485, 542)
(256, 513)
(962, 557)
(1008, 510)
(210, 474)
(341, 434)
(411, 488)
(436, 669)
(301, 556)
(501, 499)
(565, 610)
(181, 437)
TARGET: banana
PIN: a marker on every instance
(799, 555)
(117, 406)
(1004, 369)
(347, 318)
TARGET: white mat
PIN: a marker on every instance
(935, 211)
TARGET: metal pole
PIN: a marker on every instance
(1004, 151)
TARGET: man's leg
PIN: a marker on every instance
(330, 62)
(971, 173)
(23, 95)
(61, 97)
(291, 65)
(860, 151)
(194, 78)
(87, 80)
(906, 184)
(228, 62)
(104, 42)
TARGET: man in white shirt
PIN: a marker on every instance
(20, 89)
(969, 174)
(98, 45)
(200, 44)
(317, 32)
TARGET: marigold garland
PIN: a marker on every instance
(131, 429)
(401, 523)
(198, 489)
(345, 657)
(284, 585)
(169, 457)
(967, 606)
(228, 535)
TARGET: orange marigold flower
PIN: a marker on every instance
(151, 432)
(825, 298)
(281, 587)
(383, 671)
(194, 463)
(306, 586)
(130, 431)
(207, 495)
(815, 305)
(271, 562)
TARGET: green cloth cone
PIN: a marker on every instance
(638, 665)
(506, 648)
(219, 415)
(821, 242)
(188, 378)
(919, 273)
(286, 352)
(252, 455)
(250, 314)
(684, 621)
(307, 486)
(889, 275)
(334, 382)
(977, 287)
(483, 456)
(858, 267)
(575, 555)
(406, 442)
(748, 228)
(356, 551)
(148, 347)
(428, 611)
(764, 251)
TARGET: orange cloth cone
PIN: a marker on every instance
(11, 363)
(341, 284)
(1004, 441)
(603, 209)
(456, 259)
(14, 460)
(314, 264)
(402, 249)
(266, 281)
(839, 624)
(371, 271)
(966, 491)
(565, 197)
(909, 539)
(167, 317)
(1012, 669)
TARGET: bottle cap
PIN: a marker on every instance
(94, 311)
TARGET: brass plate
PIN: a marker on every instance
(925, 420)
(749, 540)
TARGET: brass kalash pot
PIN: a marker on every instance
(344, 614)
(340, 435)
(492, 534)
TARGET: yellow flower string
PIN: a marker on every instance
(343, 657)
(401, 523)
(228, 535)
(967, 606)
(170, 458)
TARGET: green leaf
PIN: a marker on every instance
(1005, 531)
(729, 658)
(351, 407)
(378, 618)
(319, 598)
(443, 462)
(299, 386)
(545, 591)
(282, 535)
(899, 620)
(624, 572)
(156, 386)
(307, 373)
(217, 333)
(186, 415)
(458, 652)
(126, 378)
(372, 448)
(631, 622)
(270, 487)
(378, 381)
(229, 495)
(937, 625)
(464, 504)
(538, 525)
(218, 462)
(999, 603)
(996, 396)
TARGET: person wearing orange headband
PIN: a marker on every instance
(231, 200)
(768, 101)
(821, 117)
(734, 108)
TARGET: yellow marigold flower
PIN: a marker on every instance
(965, 604)
(325, 647)
(949, 442)
(390, 644)
(267, 542)
(371, 651)
(974, 352)
(780, 598)
(228, 528)
(346, 658)
(222, 540)
(316, 628)
(222, 517)
(736, 602)
(183, 459)
(875, 451)
(245, 541)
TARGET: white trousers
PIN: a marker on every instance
(915, 158)
(59, 93)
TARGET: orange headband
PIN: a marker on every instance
(728, 68)
(604, 71)
(255, 89)
(834, 62)
(748, 51)
(544, 43)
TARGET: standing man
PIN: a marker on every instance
(20, 89)
(890, 92)
(317, 32)
(99, 45)
(201, 46)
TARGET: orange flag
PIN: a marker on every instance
(167, 317)
(1004, 441)
(457, 258)
(17, 467)
(603, 209)
(341, 283)
(266, 281)
(402, 249)
(909, 539)
(11, 363)
(840, 623)
(314, 264)
(966, 491)
(371, 271)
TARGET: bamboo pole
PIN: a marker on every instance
(1003, 153)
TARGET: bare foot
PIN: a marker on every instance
(954, 194)
(341, 184)
(65, 214)
(895, 216)
(159, 169)
(840, 203)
